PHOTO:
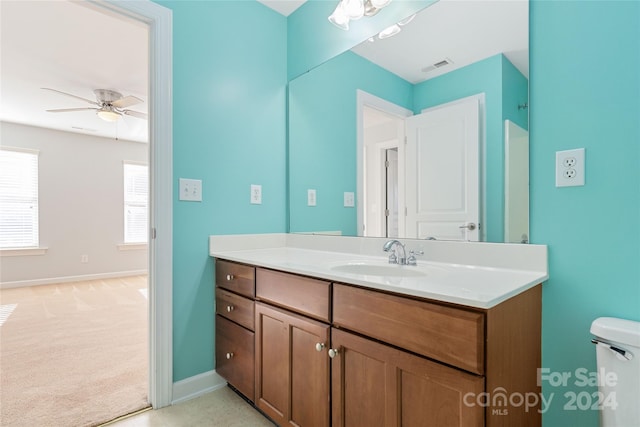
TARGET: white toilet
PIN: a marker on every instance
(618, 356)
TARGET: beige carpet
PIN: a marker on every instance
(73, 354)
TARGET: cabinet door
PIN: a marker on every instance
(377, 385)
(292, 377)
(234, 355)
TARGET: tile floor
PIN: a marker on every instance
(222, 407)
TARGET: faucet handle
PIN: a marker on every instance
(412, 257)
(393, 259)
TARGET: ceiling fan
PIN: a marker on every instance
(109, 105)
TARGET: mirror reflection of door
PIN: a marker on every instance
(443, 172)
(427, 184)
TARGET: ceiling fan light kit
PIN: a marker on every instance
(108, 115)
(110, 104)
(351, 10)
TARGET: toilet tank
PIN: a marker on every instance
(618, 358)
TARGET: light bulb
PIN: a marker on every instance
(405, 21)
(389, 31)
(354, 9)
(108, 115)
(379, 4)
(339, 18)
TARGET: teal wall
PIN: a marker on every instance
(322, 137)
(229, 92)
(312, 39)
(515, 92)
(585, 92)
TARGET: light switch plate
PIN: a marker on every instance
(349, 199)
(191, 190)
(256, 194)
(311, 197)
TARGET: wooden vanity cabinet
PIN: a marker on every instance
(313, 353)
(235, 337)
(440, 361)
(377, 385)
(292, 365)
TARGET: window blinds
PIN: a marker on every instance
(18, 198)
(136, 202)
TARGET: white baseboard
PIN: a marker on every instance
(51, 280)
(195, 386)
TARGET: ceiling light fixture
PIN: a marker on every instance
(351, 10)
(394, 29)
(108, 114)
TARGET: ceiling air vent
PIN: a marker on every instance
(437, 65)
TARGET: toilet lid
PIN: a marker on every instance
(617, 330)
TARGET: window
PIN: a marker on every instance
(136, 203)
(18, 198)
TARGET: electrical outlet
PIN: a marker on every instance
(190, 190)
(84, 259)
(349, 199)
(256, 194)
(311, 197)
(570, 169)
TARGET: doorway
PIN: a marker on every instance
(158, 19)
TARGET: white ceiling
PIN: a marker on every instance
(74, 48)
(85, 48)
(464, 31)
(285, 7)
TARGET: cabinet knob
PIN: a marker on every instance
(319, 346)
(333, 352)
(230, 277)
(230, 308)
(229, 355)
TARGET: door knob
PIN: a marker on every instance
(319, 346)
(471, 226)
(333, 352)
(230, 308)
(229, 277)
(229, 355)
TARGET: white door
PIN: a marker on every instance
(516, 184)
(443, 173)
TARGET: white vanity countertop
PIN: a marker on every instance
(473, 274)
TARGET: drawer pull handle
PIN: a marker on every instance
(319, 346)
(230, 277)
(229, 356)
(230, 308)
(333, 352)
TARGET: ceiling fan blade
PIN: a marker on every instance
(67, 110)
(135, 114)
(127, 101)
(73, 96)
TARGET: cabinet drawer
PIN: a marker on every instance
(234, 307)
(235, 277)
(453, 336)
(235, 355)
(301, 294)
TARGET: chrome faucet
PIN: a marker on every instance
(394, 258)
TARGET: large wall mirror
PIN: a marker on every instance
(423, 134)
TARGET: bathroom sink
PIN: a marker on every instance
(378, 269)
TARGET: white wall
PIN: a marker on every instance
(81, 207)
